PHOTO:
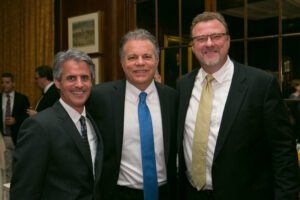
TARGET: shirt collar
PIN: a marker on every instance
(133, 92)
(11, 94)
(221, 75)
(75, 116)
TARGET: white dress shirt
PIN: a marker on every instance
(220, 85)
(131, 173)
(4, 102)
(91, 134)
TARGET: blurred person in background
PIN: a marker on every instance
(50, 94)
(13, 113)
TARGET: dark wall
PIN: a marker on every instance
(118, 19)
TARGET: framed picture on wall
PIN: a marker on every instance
(85, 32)
(98, 74)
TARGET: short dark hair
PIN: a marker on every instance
(207, 16)
(139, 34)
(45, 71)
(8, 75)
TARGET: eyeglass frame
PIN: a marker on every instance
(204, 38)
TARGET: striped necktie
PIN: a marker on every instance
(84, 135)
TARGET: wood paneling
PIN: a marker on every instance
(118, 19)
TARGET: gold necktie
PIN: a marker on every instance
(202, 125)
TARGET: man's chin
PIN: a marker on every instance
(211, 63)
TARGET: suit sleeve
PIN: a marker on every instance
(31, 157)
(20, 116)
(281, 144)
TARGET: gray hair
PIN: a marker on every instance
(138, 34)
(71, 54)
(208, 16)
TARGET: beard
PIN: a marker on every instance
(213, 58)
(211, 62)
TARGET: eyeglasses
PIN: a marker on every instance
(215, 37)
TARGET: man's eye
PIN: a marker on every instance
(201, 39)
(85, 78)
(132, 57)
(147, 57)
(215, 36)
(71, 78)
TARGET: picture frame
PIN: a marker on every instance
(98, 70)
(85, 32)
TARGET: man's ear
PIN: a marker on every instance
(57, 83)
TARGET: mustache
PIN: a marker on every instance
(210, 49)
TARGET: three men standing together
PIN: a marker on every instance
(234, 139)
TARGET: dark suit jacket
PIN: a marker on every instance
(21, 104)
(106, 105)
(51, 162)
(255, 155)
(49, 98)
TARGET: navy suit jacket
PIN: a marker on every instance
(106, 105)
(255, 155)
(21, 104)
(51, 161)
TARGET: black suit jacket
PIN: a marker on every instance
(21, 104)
(106, 105)
(51, 161)
(49, 98)
(255, 155)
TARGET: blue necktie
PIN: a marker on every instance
(147, 149)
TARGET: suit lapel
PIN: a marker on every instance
(185, 92)
(118, 99)
(99, 149)
(236, 95)
(15, 105)
(13, 109)
(70, 128)
(165, 115)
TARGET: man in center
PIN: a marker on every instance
(139, 135)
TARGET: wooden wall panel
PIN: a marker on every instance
(118, 19)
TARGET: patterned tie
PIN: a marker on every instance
(147, 149)
(8, 114)
(202, 125)
(84, 135)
